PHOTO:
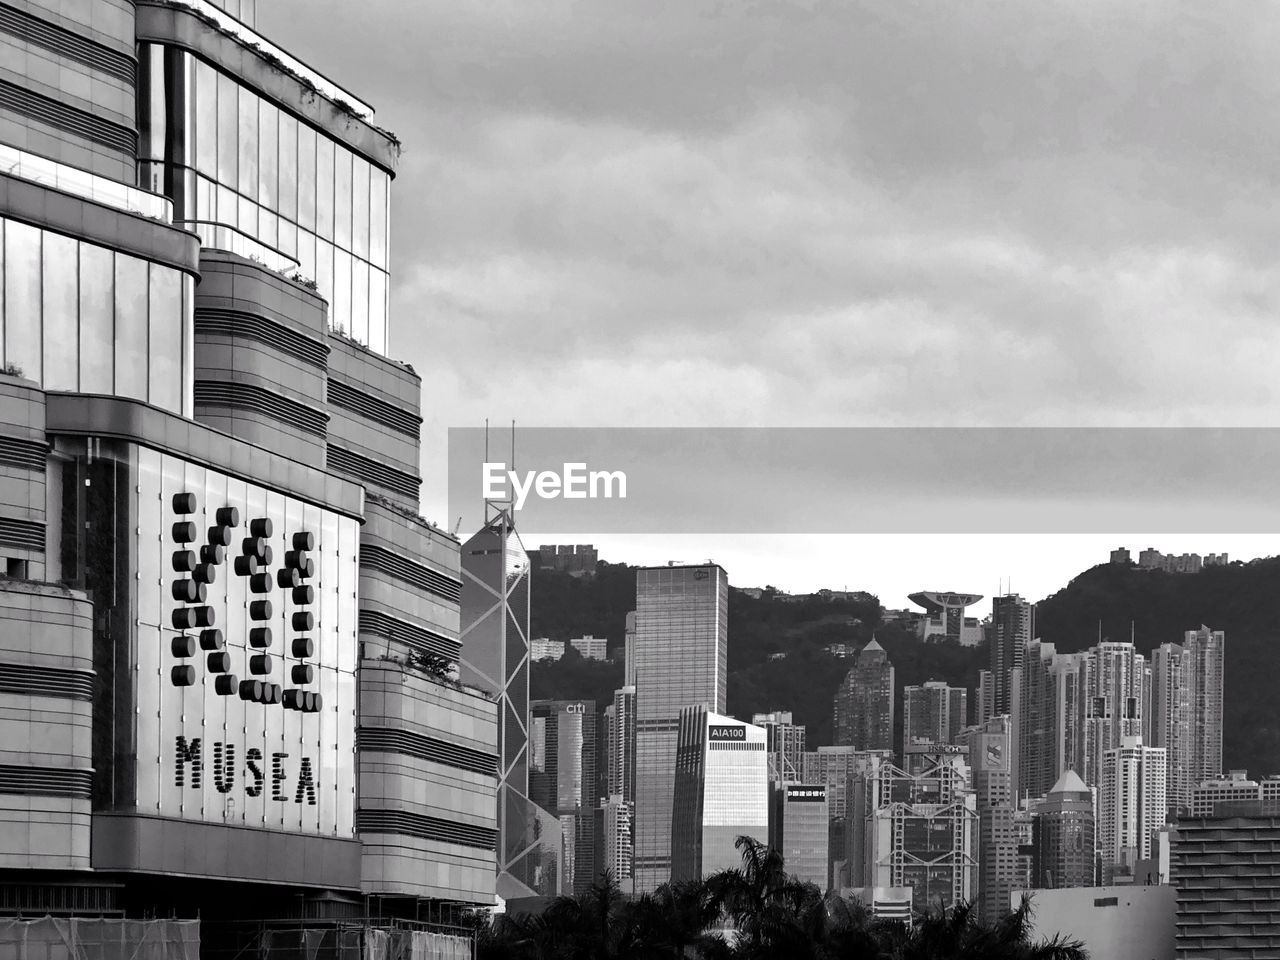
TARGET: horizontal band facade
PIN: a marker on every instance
(65, 43)
(379, 624)
(248, 326)
(396, 740)
(32, 781)
(371, 471)
(72, 120)
(371, 408)
(35, 681)
(237, 395)
(425, 828)
(408, 571)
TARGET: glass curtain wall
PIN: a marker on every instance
(225, 154)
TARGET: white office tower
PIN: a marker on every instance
(721, 792)
(1132, 803)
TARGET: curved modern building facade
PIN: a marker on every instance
(227, 670)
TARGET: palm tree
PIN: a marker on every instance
(956, 933)
(764, 902)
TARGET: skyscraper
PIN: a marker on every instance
(1064, 836)
(1011, 628)
(1186, 710)
(989, 754)
(495, 657)
(562, 778)
(1049, 717)
(799, 830)
(786, 745)
(863, 705)
(921, 832)
(721, 792)
(680, 659)
(622, 745)
(933, 713)
(1114, 693)
(1132, 804)
(1207, 650)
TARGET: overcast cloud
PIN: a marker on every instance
(655, 213)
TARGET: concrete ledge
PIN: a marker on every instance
(135, 843)
(80, 414)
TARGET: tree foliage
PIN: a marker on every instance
(754, 912)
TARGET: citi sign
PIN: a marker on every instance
(718, 731)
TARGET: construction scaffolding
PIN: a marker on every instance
(70, 938)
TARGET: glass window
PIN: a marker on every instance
(206, 126)
(360, 208)
(340, 305)
(228, 122)
(205, 203)
(228, 208)
(167, 323)
(288, 166)
(378, 217)
(360, 300)
(324, 188)
(268, 154)
(131, 294)
(307, 253)
(248, 137)
(306, 177)
(377, 310)
(22, 299)
(324, 274)
(267, 232)
(342, 198)
(61, 304)
(97, 318)
(247, 218)
(287, 240)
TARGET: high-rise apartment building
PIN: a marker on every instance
(613, 840)
(1048, 722)
(681, 660)
(933, 713)
(786, 745)
(986, 706)
(1132, 804)
(562, 778)
(220, 599)
(1011, 628)
(944, 617)
(1226, 872)
(863, 707)
(1064, 836)
(591, 647)
(1170, 721)
(921, 831)
(495, 657)
(622, 745)
(1186, 708)
(1115, 674)
(799, 830)
(721, 792)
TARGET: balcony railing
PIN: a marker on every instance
(219, 236)
(82, 183)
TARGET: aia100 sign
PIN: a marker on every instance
(246, 653)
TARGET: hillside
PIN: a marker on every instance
(1160, 607)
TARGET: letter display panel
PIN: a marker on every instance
(246, 652)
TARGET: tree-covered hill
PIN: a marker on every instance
(1241, 599)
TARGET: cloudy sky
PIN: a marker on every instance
(670, 212)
